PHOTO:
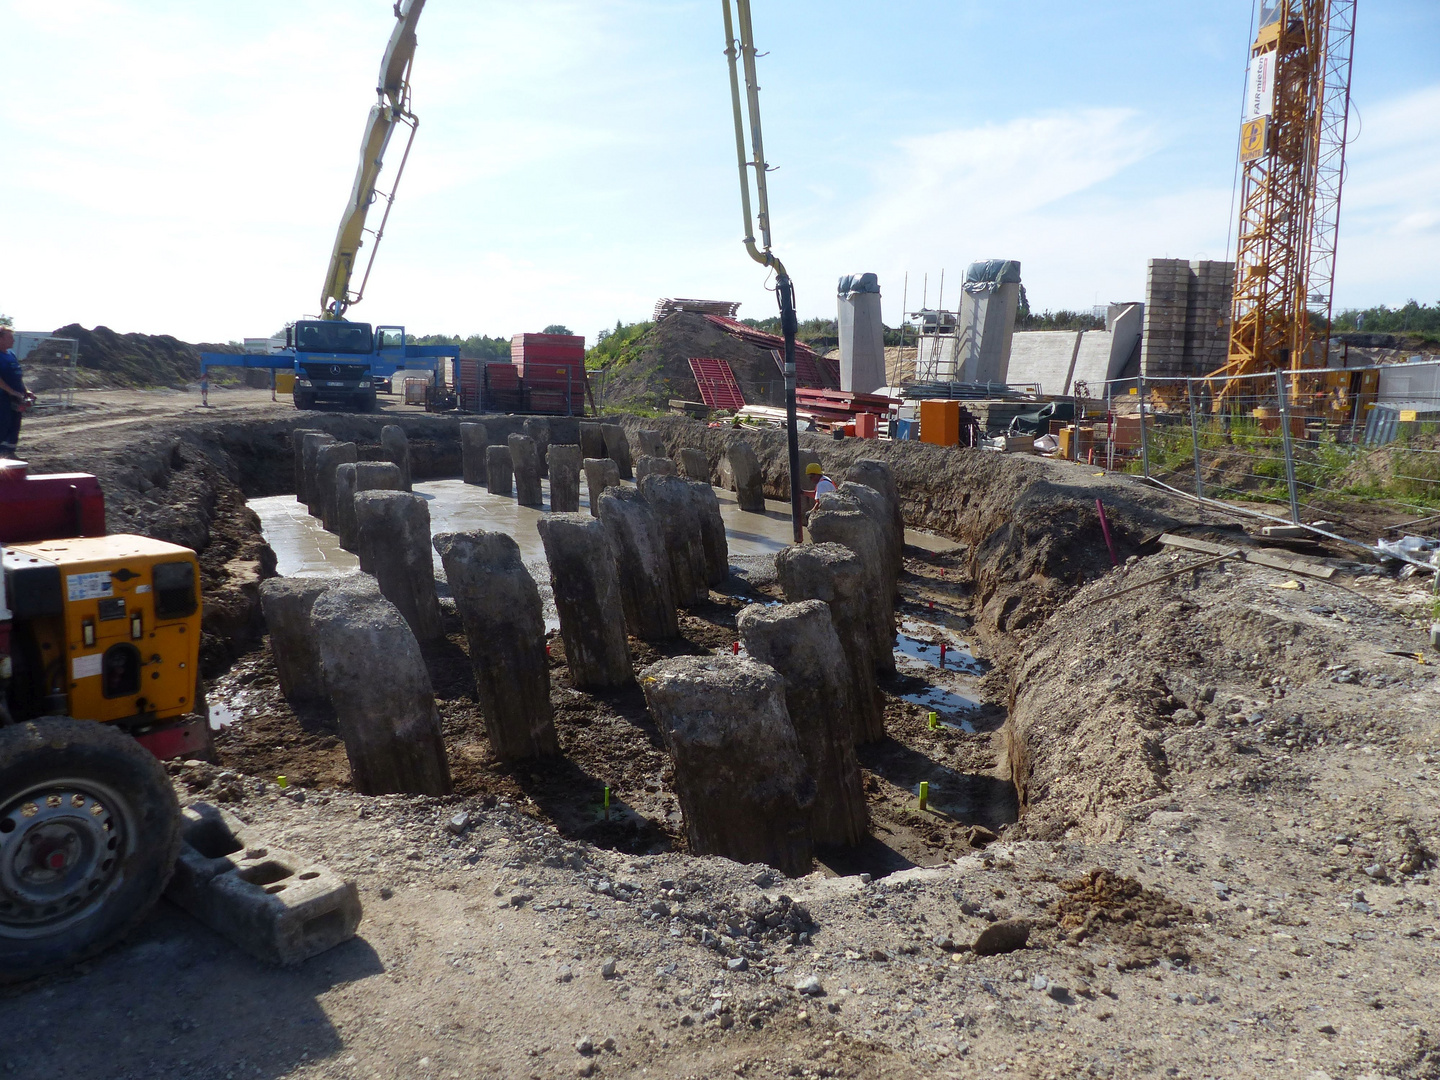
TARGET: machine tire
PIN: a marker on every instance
(365, 401)
(304, 401)
(87, 789)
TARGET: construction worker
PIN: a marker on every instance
(14, 398)
(816, 484)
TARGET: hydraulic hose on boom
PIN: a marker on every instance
(784, 290)
(392, 110)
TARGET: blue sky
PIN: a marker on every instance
(174, 167)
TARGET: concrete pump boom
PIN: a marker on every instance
(390, 111)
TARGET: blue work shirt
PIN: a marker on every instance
(14, 378)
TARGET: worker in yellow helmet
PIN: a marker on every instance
(816, 484)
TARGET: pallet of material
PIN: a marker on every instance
(1273, 559)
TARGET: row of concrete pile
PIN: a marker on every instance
(763, 745)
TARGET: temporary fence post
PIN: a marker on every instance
(1289, 449)
(1358, 405)
(1144, 435)
(1195, 437)
(1075, 435)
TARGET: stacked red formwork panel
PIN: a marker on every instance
(552, 372)
(501, 388)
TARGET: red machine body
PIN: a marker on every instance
(35, 508)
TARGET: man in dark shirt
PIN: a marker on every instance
(13, 395)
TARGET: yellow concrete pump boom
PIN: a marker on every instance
(390, 111)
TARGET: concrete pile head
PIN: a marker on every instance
(474, 439)
(799, 641)
(360, 476)
(504, 621)
(377, 681)
(646, 464)
(648, 441)
(834, 573)
(749, 480)
(538, 428)
(310, 446)
(876, 507)
(525, 461)
(297, 445)
(694, 464)
(592, 441)
(677, 510)
(712, 531)
(878, 475)
(327, 459)
(600, 473)
(396, 447)
(742, 781)
(641, 562)
(843, 520)
(587, 597)
(394, 532)
(564, 462)
(499, 470)
(286, 604)
(617, 448)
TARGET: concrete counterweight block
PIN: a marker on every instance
(525, 461)
(694, 464)
(474, 438)
(297, 444)
(394, 530)
(840, 519)
(361, 476)
(377, 681)
(877, 475)
(649, 441)
(564, 478)
(799, 641)
(641, 563)
(676, 511)
(310, 446)
(498, 470)
(327, 459)
(749, 481)
(505, 627)
(877, 508)
(396, 447)
(600, 473)
(646, 464)
(833, 573)
(538, 428)
(742, 782)
(587, 598)
(712, 532)
(592, 441)
(617, 448)
(286, 603)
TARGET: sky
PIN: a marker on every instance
(177, 167)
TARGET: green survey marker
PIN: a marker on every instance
(924, 790)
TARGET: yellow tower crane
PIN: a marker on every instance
(1292, 152)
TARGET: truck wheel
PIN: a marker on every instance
(89, 834)
(365, 401)
(304, 401)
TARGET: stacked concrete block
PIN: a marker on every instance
(286, 604)
(646, 464)
(677, 510)
(377, 681)
(749, 480)
(396, 448)
(588, 600)
(360, 476)
(297, 445)
(474, 440)
(617, 448)
(592, 441)
(394, 532)
(600, 473)
(538, 428)
(499, 470)
(835, 574)
(311, 443)
(327, 459)
(500, 608)
(641, 562)
(799, 641)
(1187, 317)
(564, 462)
(525, 461)
(741, 779)
(695, 465)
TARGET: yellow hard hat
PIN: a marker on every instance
(813, 469)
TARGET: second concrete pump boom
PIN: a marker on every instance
(392, 110)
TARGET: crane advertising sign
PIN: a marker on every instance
(1259, 106)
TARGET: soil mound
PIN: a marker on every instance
(661, 371)
(136, 360)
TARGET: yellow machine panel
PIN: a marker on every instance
(128, 641)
